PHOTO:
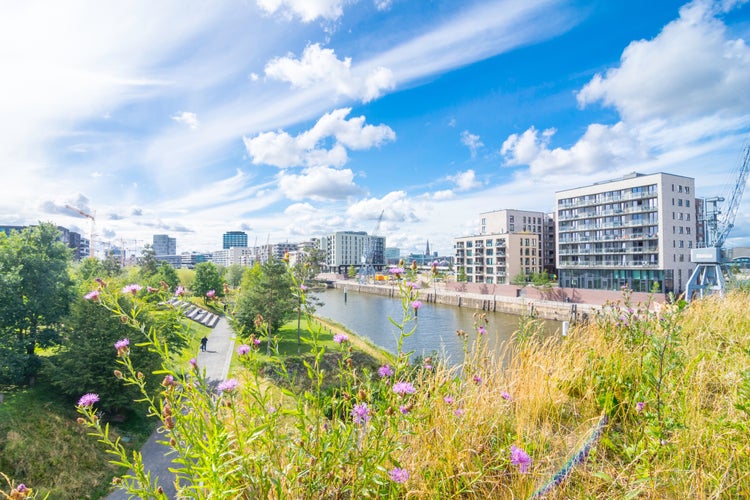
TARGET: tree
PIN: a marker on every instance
(352, 272)
(266, 291)
(147, 261)
(207, 278)
(36, 289)
(461, 276)
(234, 274)
(167, 274)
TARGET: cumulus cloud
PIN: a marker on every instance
(305, 10)
(395, 206)
(383, 4)
(307, 149)
(319, 65)
(319, 183)
(471, 141)
(72, 207)
(187, 118)
(465, 180)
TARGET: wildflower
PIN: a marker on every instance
(639, 406)
(194, 364)
(416, 304)
(458, 412)
(448, 400)
(405, 409)
(303, 288)
(132, 289)
(411, 285)
(179, 292)
(399, 476)
(211, 294)
(243, 349)
(505, 395)
(122, 346)
(340, 338)
(151, 289)
(92, 295)
(256, 341)
(385, 371)
(520, 458)
(88, 400)
(477, 379)
(168, 381)
(228, 385)
(21, 488)
(271, 409)
(360, 413)
(396, 271)
(481, 330)
(402, 388)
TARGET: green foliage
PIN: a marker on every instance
(519, 279)
(461, 276)
(207, 278)
(233, 275)
(351, 272)
(266, 291)
(149, 266)
(167, 274)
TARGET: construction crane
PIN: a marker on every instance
(93, 224)
(708, 277)
(367, 268)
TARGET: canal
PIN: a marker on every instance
(367, 316)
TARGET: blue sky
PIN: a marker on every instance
(290, 119)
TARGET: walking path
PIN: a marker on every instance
(215, 361)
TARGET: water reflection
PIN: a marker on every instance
(367, 315)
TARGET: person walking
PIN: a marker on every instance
(204, 342)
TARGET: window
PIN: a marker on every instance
(679, 189)
(687, 189)
(512, 228)
(679, 202)
(687, 203)
(511, 219)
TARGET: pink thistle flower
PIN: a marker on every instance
(411, 285)
(92, 295)
(416, 304)
(385, 371)
(256, 341)
(360, 413)
(179, 292)
(88, 400)
(21, 488)
(521, 458)
(194, 364)
(243, 349)
(303, 288)
(639, 406)
(477, 379)
(340, 338)
(228, 385)
(403, 388)
(505, 395)
(132, 289)
(122, 346)
(448, 400)
(458, 412)
(404, 409)
(481, 330)
(211, 294)
(398, 475)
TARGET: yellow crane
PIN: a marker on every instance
(93, 223)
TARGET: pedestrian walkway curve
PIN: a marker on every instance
(215, 360)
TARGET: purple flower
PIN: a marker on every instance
(404, 409)
(411, 285)
(211, 294)
(477, 379)
(402, 388)
(639, 406)
(399, 476)
(303, 288)
(458, 412)
(122, 346)
(448, 400)
(179, 292)
(88, 400)
(228, 385)
(92, 295)
(340, 338)
(396, 271)
(385, 371)
(21, 488)
(194, 363)
(481, 330)
(360, 413)
(132, 289)
(243, 349)
(506, 395)
(416, 304)
(520, 458)
(256, 341)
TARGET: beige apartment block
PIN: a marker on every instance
(497, 258)
(636, 231)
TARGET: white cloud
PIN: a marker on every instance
(445, 194)
(395, 206)
(282, 150)
(471, 141)
(319, 65)
(319, 183)
(383, 4)
(306, 10)
(188, 118)
(465, 180)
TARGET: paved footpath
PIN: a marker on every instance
(215, 360)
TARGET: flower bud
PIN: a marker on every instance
(118, 374)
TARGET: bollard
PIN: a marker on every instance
(565, 328)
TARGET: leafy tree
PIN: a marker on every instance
(207, 277)
(112, 265)
(234, 274)
(36, 290)
(352, 272)
(266, 290)
(461, 276)
(519, 279)
(86, 363)
(167, 274)
(148, 263)
(89, 269)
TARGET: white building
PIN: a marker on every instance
(244, 256)
(636, 231)
(164, 245)
(344, 249)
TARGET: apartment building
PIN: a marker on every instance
(636, 231)
(510, 242)
(164, 245)
(232, 239)
(346, 248)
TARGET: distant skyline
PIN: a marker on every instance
(292, 119)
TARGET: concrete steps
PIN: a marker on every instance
(195, 313)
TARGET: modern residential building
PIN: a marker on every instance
(189, 260)
(636, 231)
(344, 249)
(510, 242)
(244, 256)
(164, 245)
(232, 239)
